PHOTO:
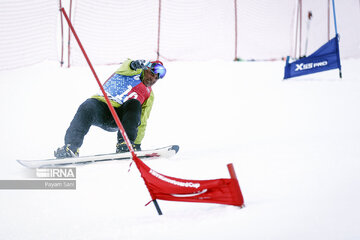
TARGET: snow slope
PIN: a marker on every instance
(294, 145)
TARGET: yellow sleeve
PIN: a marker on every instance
(145, 113)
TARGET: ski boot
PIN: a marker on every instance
(121, 147)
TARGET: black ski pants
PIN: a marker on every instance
(97, 113)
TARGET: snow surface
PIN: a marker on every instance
(294, 145)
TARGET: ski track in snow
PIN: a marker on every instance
(294, 145)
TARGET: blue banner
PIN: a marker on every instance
(327, 57)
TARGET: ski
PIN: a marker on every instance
(164, 152)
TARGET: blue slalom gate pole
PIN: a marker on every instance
(336, 34)
(333, 3)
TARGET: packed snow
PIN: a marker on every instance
(295, 146)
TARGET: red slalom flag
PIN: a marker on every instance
(221, 191)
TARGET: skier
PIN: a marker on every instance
(130, 93)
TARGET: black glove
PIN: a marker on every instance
(137, 64)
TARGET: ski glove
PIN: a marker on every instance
(137, 64)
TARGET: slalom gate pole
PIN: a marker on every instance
(333, 3)
(112, 110)
(336, 33)
(307, 31)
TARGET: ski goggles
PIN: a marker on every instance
(156, 68)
